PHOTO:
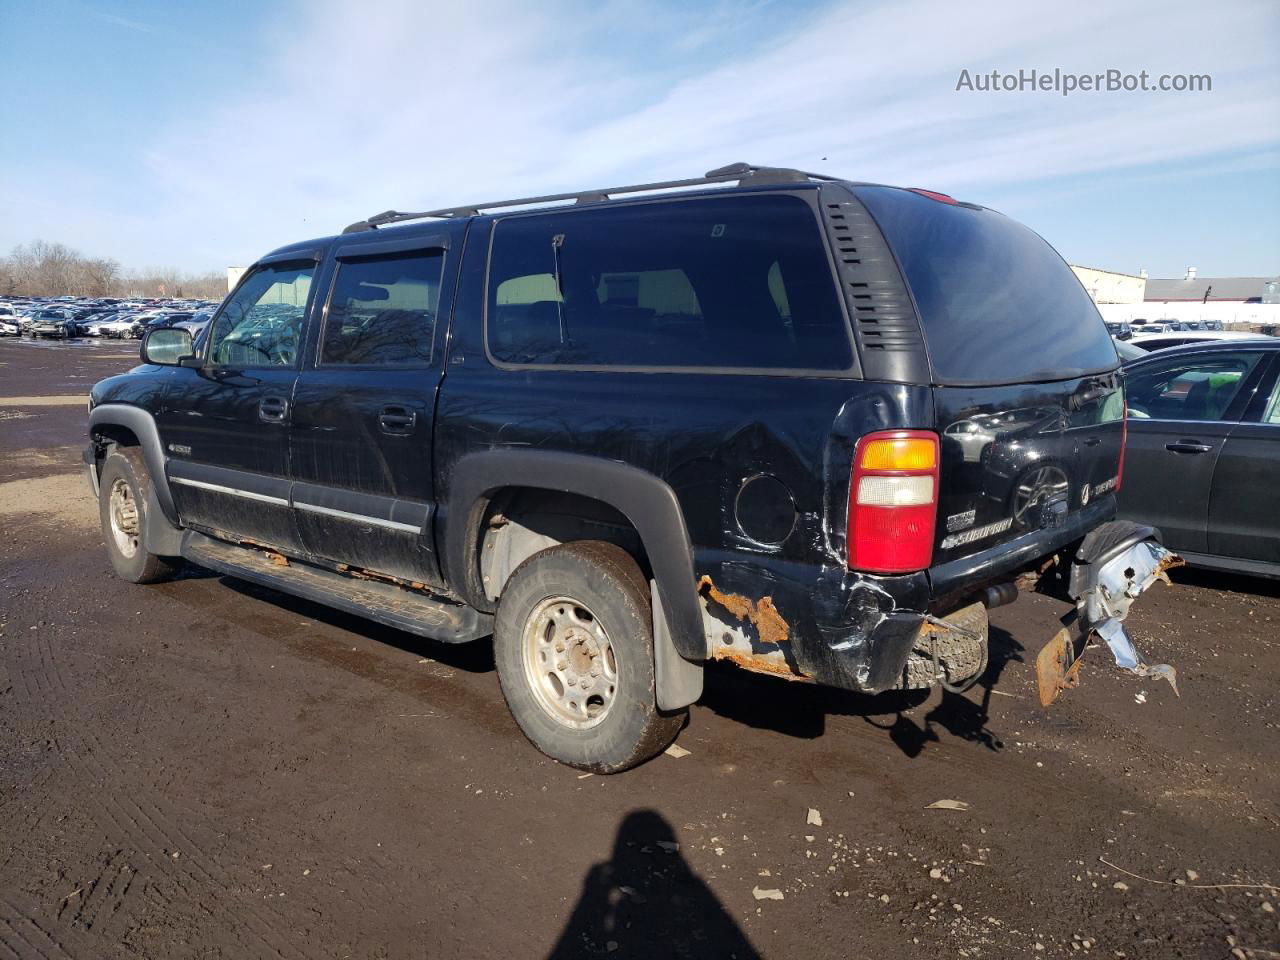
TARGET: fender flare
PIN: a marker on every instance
(143, 426)
(646, 500)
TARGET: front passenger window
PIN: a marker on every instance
(1189, 388)
(261, 324)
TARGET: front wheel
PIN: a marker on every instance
(573, 646)
(123, 488)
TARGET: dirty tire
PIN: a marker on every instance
(605, 580)
(125, 465)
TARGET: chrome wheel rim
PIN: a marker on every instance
(123, 510)
(569, 663)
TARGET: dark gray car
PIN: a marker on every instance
(1202, 461)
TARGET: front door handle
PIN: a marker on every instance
(396, 420)
(1188, 446)
(273, 409)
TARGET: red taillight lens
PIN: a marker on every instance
(893, 501)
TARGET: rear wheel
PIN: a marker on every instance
(123, 488)
(573, 646)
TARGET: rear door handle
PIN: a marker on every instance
(396, 420)
(273, 409)
(1188, 446)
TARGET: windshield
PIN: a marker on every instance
(997, 303)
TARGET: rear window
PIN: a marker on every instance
(997, 303)
(730, 283)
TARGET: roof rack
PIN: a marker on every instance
(744, 173)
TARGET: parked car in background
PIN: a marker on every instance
(1177, 338)
(1120, 329)
(9, 327)
(195, 323)
(1159, 326)
(155, 321)
(1127, 350)
(1202, 461)
(54, 324)
(85, 318)
(92, 327)
(121, 326)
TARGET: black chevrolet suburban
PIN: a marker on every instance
(809, 426)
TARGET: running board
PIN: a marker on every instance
(386, 603)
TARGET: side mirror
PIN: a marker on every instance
(168, 346)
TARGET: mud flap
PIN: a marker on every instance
(1115, 564)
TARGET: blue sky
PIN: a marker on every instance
(199, 135)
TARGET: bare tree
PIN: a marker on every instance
(42, 269)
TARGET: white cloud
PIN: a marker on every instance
(362, 107)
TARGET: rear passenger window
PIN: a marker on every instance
(740, 283)
(383, 310)
(1189, 388)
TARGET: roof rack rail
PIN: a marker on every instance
(744, 173)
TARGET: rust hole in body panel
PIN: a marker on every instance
(768, 621)
(774, 665)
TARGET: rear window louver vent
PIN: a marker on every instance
(882, 312)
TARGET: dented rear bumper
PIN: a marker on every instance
(866, 633)
(830, 626)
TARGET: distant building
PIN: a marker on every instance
(233, 276)
(1196, 289)
(1107, 286)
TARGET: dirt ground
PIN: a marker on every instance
(206, 769)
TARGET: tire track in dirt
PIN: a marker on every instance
(168, 837)
(131, 818)
(134, 869)
(24, 937)
(93, 906)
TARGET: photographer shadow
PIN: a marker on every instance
(645, 901)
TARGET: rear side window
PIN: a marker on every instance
(383, 310)
(739, 283)
(997, 303)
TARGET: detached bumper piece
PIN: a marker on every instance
(1114, 566)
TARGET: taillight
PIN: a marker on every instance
(893, 501)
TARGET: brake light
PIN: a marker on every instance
(933, 195)
(893, 501)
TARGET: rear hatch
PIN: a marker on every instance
(1027, 395)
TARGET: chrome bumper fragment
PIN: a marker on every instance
(1110, 574)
